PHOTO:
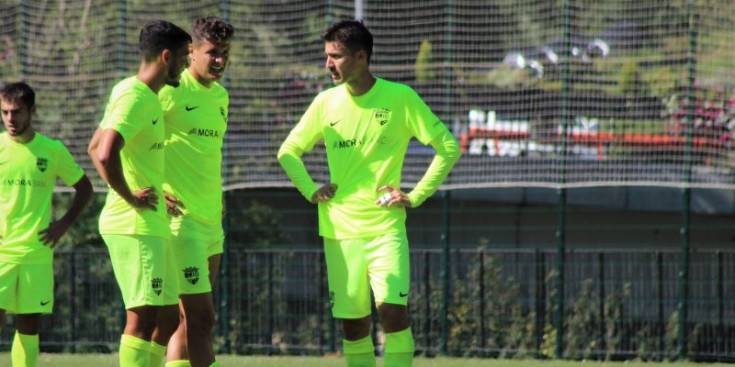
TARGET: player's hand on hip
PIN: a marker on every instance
(51, 235)
(173, 205)
(392, 196)
(325, 193)
(145, 198)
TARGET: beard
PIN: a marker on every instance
(19, 131)
(173, 78)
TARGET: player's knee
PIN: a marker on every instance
(168, 319)
(393, 317)
(355, 329)
(28, 324)
(202, 322)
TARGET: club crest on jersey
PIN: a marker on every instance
(191, 274)
(381, 115)
(157, 285)
(42, 164)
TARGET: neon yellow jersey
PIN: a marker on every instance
(135, 112)
(29, 173)
(196, 120)
(366, 138)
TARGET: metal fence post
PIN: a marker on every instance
(331, 322)
(562, 192)
(720, 306)
(271, 305)
(73, 300)
(686, 191)
(224, 284)
(661, 319)
(444, 274)
(224, 269)
(540, 296)
(601, 291)
(427, 302)
(481, 291)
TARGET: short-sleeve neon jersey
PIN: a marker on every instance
(29, 174)
(366, 139)
(196, 120)
(135, 113)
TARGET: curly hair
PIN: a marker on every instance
(212, 29)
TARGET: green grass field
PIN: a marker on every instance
(110, 360)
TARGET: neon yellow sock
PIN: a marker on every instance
(359, 353)
(178, 363)
(157, 353)
(134, 352)
(399, 348)
(24, 352)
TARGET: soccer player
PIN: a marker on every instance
(30, 163)
(366, 124)
(127, 150)
(196, 120)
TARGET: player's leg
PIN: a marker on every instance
(167, 323)
(24, 351)
(35, 296)
(199, 320)
(135, 343)
(8, 289)
(139, 264)
(194, 245)
(349, 293)
(141, 321)
(177, 347)
(168, 318)
(214, 262)
(176, 353)
(389, 272)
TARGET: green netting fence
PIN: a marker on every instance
(540, 93)
(560, 94)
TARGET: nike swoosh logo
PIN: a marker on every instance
(191, 108)
(403, 294)
(155, 121)
(334, 123)
(44, 303)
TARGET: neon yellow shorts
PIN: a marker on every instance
(193, 243)
(355, 266)
(26, 288)
(144, 269)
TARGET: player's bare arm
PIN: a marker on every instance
(325, 193)
(56, 229)
(92, 151)
(447, 154)
(108, 154)
(392, 196)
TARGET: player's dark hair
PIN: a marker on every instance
(19, 92)
(159, 35)
(212, 29)
(351, 33)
